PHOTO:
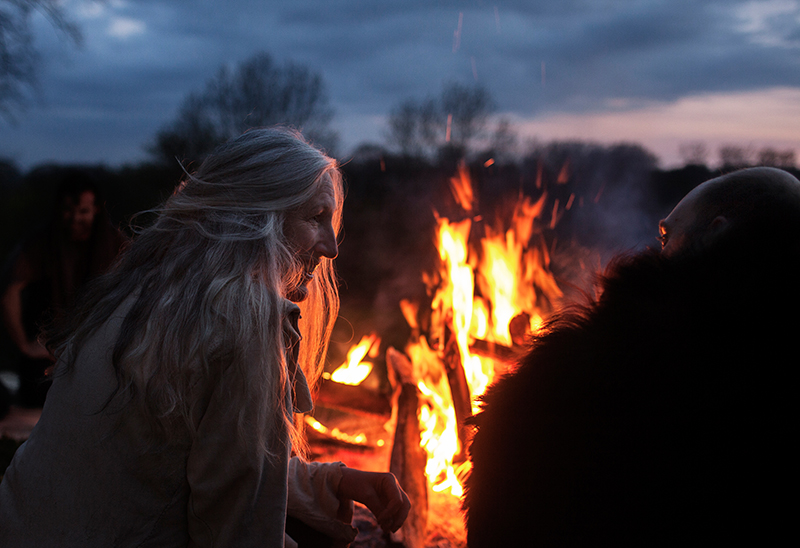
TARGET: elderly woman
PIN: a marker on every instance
(170, 421)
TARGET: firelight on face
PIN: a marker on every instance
(309, 231)
(689, 226)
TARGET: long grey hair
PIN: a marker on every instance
(208, 281)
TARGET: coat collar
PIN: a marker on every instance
(301, 394)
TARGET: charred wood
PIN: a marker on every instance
(408, 458)
(353, 399)
(505, 355)
(459, 391)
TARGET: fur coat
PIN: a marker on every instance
(660, 412)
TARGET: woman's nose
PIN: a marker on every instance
(326, 245)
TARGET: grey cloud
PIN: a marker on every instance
(374, 54)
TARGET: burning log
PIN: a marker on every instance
(353, 399)
(506, 356)
(459, 391)
(408, 457)
(520, 328)
(495, 351)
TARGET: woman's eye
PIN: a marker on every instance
(320, 217)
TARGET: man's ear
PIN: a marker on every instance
(717, 228)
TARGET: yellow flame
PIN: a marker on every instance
(439, 436)
(480, 319)
(354, 371)
(459, 290)
(506, 274)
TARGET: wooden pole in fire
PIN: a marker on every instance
(408, 458)
(459, 391)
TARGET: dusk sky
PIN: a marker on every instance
(656, 72)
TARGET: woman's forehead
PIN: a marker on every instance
(326, 191)
(323, 196)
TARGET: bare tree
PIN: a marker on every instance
(693, 153)
(257, 92)
(503, 141)
(404, 121)
(769, 156)
(19, 59)
(733, 156)
(449, 124)
(432, 124)
(467, 109)
(191, 136)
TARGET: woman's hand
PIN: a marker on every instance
(378, 491)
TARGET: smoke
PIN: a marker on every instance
(604, 193)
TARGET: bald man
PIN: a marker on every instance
(759, 198)
(662, 412)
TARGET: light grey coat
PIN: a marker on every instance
(87, 479)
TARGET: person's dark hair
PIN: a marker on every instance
(74, 182)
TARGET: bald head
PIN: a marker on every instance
(760, 199)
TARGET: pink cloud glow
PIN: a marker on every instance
(748, 119)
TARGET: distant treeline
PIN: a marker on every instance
(606, 198)
(397, 193)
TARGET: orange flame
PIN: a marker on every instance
(461, 187)
(476, 295)
(354, 371)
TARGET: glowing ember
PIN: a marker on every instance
(358, 439)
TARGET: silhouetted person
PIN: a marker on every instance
(49, 269)
(663, 411)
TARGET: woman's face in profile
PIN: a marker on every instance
(309, 230)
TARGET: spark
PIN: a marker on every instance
(457, 33)
(600, 192)
(449, 124)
